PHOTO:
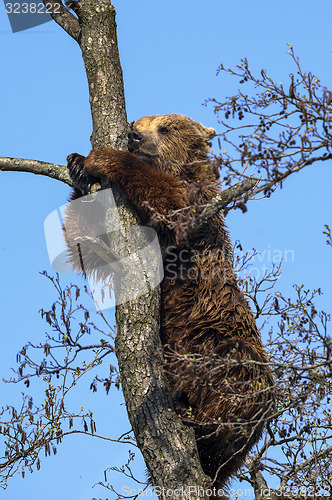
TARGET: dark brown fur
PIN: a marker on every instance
(216, 364)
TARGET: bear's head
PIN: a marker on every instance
(171, 142)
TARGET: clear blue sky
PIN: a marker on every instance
(170, 52)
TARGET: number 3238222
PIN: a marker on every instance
(32, 8)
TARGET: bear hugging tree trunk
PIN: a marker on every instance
(218, 371)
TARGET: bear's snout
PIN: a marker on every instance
(135, 139)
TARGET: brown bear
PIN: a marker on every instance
(219, 373)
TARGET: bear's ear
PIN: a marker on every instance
(211, 133)
(208, 133)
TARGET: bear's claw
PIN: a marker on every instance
(75, 167)
(76, 171)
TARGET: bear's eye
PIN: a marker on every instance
(163, 130)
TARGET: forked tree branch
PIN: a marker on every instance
(261, 490)
(64, 18)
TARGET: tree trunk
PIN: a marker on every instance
(168, 447)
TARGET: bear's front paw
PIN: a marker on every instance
(78, 173)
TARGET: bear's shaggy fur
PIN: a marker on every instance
(218, 371)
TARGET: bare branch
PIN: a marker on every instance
(64, 18)
(221, 201)
(295, 168)
(58, 172)
(325, 453)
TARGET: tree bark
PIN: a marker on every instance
(99, 45)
